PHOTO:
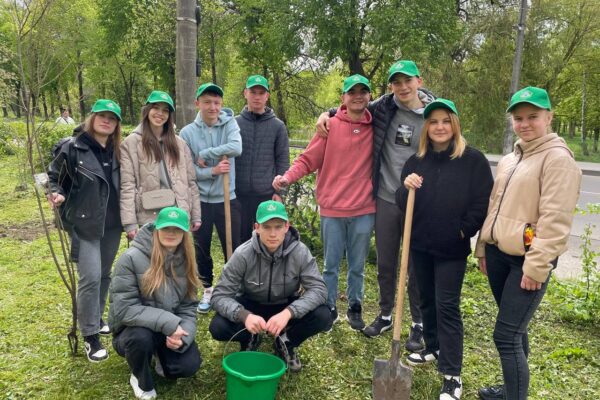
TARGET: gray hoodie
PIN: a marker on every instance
(168, 307)
(210, 143)
(270, 279)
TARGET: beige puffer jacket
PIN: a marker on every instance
(140, 174)
(537, 184)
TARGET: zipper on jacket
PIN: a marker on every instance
(504, 192)
(107, 195)
(270, 280)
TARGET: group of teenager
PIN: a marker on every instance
(166, 192)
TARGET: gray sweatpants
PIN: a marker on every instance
(95, 263)
(389, 227)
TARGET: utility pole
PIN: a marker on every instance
(584, 147)
(516, 74)
(185, 64)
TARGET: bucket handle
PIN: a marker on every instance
(278, 337)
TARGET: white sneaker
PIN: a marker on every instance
(204, 305)
(451, 388)
(138, 392)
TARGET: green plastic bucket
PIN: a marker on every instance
(252, 375)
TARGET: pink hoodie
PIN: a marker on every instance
(344, 161)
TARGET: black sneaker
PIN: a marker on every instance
(104, 328)
(334, 318)
(422, 357)
(495, 392)
(288, 354)
(415, 342)
(354, 317)
(93, 348)
(451, 388)
(377, 327)
(252, 344)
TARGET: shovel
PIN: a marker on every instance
(392, 379)
(227, 206)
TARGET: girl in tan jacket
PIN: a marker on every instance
(156, 168)
(528, 223)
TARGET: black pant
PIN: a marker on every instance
(389, 228)
(516, 307)
(138, 344)
(249, 205)
(214, 214)
(298, 330)
(440, 283)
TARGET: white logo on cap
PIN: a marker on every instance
(400, 65)
(173, 214)
(271, 207)
(257, 79)
(163, 96)
(526, 94)
(110, 105)
(356, 79)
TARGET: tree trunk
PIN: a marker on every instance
(516, 74)
(584, 148)
(213, 56)
(596, 137)
(80, 86)
(4, 111)
(571, 129)
(44, 105)
(68, 101)
(185, 61)
(280, 106)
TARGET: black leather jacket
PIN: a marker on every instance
(76, 174)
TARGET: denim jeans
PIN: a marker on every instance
(516, 307)
(352, 236)
(138, 345)
(440, 284)
(94, 264)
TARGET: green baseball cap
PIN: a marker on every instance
(406, 67)
(257, 80)
(172, 216)
(532, 95)
(160, 97)
(354, 80)
(107, 105)
(439, 103)
(209, 87)
(270, 209)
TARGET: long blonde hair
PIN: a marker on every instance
(459, 141)
(154, 277)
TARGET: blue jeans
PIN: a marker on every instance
(350, 235)
(516, 307)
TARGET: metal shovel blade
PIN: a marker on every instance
(391, 383)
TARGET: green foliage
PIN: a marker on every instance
(584, 295)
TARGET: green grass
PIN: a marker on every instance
(35, 317)
(575, 146)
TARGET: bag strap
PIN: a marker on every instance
(162, 156)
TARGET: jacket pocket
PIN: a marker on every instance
(509, 235)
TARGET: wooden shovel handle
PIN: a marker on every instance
(410, 204)
(227, 205)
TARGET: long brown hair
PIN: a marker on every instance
(114, 139)
(154, 277)
(459, 141)
(150, 143)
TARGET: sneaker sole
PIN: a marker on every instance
(98, 360)
(387, 328)
(419, 363)
(203, 311)
(353, 328)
